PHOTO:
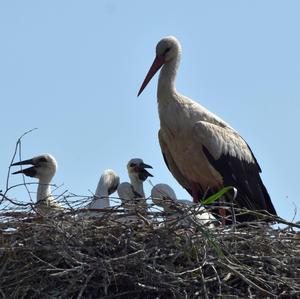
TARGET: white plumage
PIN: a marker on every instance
(108, 184)
(132, 194)
(202, 151)
(164, 196)
(44, 168)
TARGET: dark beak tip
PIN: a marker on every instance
(146, 166)
(17, 172)
(31, 171)
(148, 173)
(24, 162)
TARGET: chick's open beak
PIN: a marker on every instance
(143, 173)
(31, 171)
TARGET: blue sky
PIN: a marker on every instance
(73, 69)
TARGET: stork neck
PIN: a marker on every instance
(101, 196)
(44, 190)
(137, 186)
(101, 190)
(166, 81)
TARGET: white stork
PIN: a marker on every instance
(132, 194)
(164, 196)
(108, 184)
(44, 168)
(202, 151)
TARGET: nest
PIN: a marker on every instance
(68, 256)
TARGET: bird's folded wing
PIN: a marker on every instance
(230, 155)
(220, 140)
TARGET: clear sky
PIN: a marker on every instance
(73, 69)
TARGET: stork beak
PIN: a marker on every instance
(156, 65)
(31, 171)
(143, 173)
(143, 165)
(24, 162)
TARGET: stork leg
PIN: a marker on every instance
(195, 193)
(222, 213)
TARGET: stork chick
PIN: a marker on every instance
(164, 196)
(108, 184)
(132, 194)
(44, 168)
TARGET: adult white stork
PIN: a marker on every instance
(44, 168)
(132, 194)
(201, 150)
(108, 184)
(164, 196)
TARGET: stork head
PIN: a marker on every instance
(110, 180)
(167, 49)
(137, 169)
(44, 167)
(163, 195)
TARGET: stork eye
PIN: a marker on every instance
(167, 50)
(43, 159)
(132, 165)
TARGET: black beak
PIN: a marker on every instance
(31, 171)
(143, 165)
(24, 162)
(143, 173)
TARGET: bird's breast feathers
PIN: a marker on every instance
(189, 158)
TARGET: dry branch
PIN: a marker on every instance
(67, 256)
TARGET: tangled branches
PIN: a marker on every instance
(68, 256)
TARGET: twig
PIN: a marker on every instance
(248, 281)
(18, 144)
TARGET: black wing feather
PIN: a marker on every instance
(252, 194)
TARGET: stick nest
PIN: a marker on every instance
(66, 256)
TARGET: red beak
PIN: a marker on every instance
(156, 65)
